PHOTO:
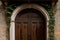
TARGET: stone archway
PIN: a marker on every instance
(22, 7)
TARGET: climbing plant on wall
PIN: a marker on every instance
(10, 8)
(51, 21)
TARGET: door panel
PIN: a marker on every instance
(18, 31)
(30, 26)
(24, 31)
(34, 31)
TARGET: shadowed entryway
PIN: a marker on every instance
(30, 24)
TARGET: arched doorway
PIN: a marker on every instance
(33, 19)
(30, 24)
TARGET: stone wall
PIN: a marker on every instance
(57, 21)
(3, 26)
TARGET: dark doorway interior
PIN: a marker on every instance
(30, 24)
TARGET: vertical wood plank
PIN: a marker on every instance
(33, 31)
(17, 31)
(24, 28)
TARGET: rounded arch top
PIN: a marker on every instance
(25, 6)
(34, 6)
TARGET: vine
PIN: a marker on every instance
(9, 10)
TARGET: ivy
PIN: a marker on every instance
(51, 24)
(51, 21)
(9, 10)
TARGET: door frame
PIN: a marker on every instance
(22, 7)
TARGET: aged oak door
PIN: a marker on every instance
(30, 26)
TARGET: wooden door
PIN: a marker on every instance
(30, 26)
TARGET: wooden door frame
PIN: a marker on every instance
(22, 7)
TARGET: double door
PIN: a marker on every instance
(30, 26)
